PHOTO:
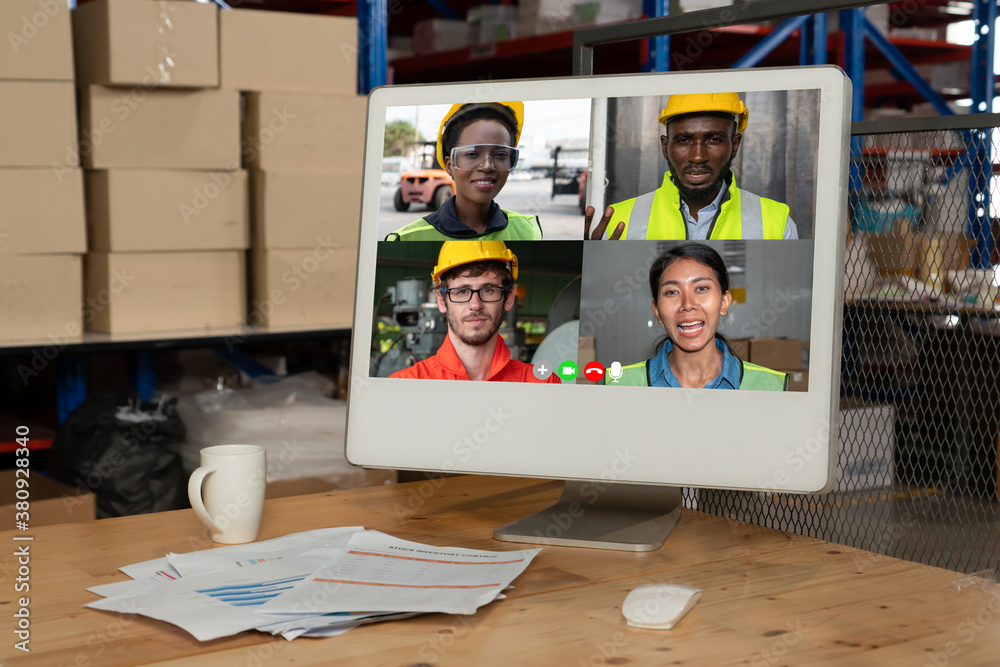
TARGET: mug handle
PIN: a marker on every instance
(194, 495)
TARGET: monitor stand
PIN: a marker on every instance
(599, 515)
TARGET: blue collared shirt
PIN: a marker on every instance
(660, 374)
(699, 229)
(446, 221)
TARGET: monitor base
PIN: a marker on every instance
(595, 515)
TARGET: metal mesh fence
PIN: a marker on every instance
(920, 375)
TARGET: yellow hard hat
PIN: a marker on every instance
(458, 253)
(515, 110)
(729, 103)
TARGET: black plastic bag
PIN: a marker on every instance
(124, 452)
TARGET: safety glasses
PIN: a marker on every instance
(469, 158)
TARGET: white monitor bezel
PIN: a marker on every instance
(735, 440)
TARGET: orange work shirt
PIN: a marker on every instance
(445, 365)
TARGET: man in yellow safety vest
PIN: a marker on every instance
(699, 198)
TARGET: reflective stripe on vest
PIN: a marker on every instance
(638, 221)
(657, 215)
(519, 228)
(752, 377)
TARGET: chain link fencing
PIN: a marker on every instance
(920, 375)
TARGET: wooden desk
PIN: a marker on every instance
(769, 598)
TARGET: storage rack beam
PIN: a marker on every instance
(784, 30)
(72, 384)
(445, 10)
(983, 47)
(585, 39)
(373, 19)
(852, 24)
(980, 150)
(903, 66)
(812, 41)
(658, 53)
(142, 374)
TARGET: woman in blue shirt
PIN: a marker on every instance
(690, 290)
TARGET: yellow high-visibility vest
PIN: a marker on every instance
(519, 228)
(657, 215)
(752, 376)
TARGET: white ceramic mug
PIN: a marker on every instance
(227, 491)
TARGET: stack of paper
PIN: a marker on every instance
(318, 583)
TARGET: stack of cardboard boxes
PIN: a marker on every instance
(42, 233)
(492, 23)
(539, 17)
(303, 140)
(167, 205)
(440, 35)
(780, 354)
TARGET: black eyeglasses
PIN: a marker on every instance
(488, 294)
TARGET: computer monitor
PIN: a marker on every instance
(624, 445)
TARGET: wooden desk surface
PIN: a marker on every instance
(770, 598)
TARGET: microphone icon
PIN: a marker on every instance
(615, 371)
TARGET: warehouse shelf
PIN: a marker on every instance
(929, 13)
(219, 336)
(39, 438)
(551, 55)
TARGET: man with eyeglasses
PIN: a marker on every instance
(477, 145)
(475, 288)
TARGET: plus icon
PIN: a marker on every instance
(542, 370)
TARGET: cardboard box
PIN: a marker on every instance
(895, 252)
(42, 212)
(51, 502)
(295, 210)
(313, 287)
(940, 253)
(586, 353)
(776, 353)
(797, 380)
(41, 296)
(539, 17)
(149, 44)
(300, 132)
(159, 129)
(164, 291)
(281, 51)
(492, 23)
(39, 40)
(440, 35)
(607, 11)
(741, 346)
(131, 210)
(490, 32)
(38, 125)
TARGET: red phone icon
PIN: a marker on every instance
(593, 371)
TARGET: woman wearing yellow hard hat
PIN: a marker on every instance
(477, 144)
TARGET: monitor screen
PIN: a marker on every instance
(628, 279)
